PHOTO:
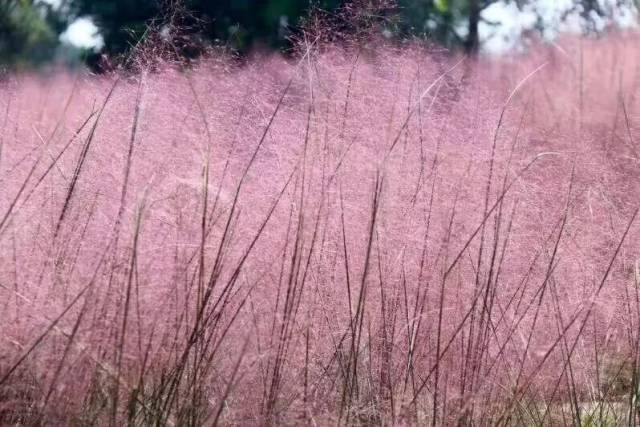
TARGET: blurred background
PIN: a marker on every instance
(37, 32)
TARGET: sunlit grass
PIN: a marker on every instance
(354, 237)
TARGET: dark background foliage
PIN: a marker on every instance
(30, 29)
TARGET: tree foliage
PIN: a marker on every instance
(455, 23)
(239, 23)
(28, 31)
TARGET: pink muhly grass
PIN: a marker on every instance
(378, 237)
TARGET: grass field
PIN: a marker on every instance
(357, 237)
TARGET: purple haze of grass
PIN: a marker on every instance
(376, 237)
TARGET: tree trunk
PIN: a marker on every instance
(472, 43)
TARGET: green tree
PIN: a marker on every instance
(28, 32)
(454, 23)
(239, 23)
(244, 23)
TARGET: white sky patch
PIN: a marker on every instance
(83, 33)
(554, 17)
(626, 17)
(510, 23)
(54, 3)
